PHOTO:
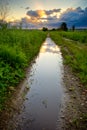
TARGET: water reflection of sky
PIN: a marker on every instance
(49, 47)
(43, 100)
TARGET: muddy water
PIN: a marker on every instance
(41, 107)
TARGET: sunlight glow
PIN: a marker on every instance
(42, 13)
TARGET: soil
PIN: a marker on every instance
(74, 107)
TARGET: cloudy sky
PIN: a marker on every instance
(48, 13)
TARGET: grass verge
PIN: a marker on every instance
(17, 49)
(75, 56)
(80, 36)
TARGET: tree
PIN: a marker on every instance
(4, 12)
(64, 26)
(20, 25)
(53, 29)
(73, 28)
(45, 29)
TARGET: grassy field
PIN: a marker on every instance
(80, 36)
(75, 53)
(17, 49)
(75, 56)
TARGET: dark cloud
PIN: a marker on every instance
(36, 13)
(43, 17)
(56, 10)
(27, 8)
(86, 9)
(50, 18)
(33, 13)
(77, 17)
(79, 9)
(49, 12)
(69, 15)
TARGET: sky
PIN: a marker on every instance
(49, 13)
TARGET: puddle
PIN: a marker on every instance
(41, 107)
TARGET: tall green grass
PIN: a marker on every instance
(75, 55)
(17, 49)
(80, 36)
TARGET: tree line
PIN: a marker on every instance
(63, 27)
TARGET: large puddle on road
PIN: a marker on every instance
(42, 104)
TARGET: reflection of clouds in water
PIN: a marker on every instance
(50, 47)
(41, 104)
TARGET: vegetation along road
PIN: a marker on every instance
(52, 95)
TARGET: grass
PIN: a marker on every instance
(75, 55)
(80, 124)
(80, 36)
(17, 49)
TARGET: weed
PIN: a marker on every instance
(80, 36)
(75, 55)
(17, 49)
(80, 123)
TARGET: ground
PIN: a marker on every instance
(74, 108)
(74, 115)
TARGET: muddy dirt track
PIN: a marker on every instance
(49, 98)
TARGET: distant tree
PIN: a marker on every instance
(45, 29)
(73, 28)
(4, 12)
(53, 29)
(20, 25)
(3, 24)
(64, 26)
